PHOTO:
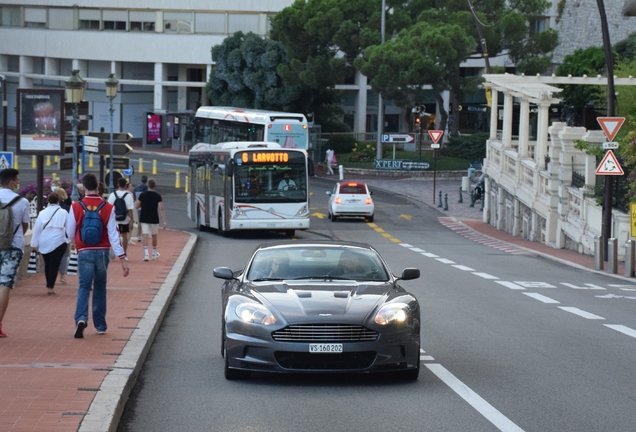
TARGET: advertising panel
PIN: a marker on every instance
(153, 129)
(40, 125)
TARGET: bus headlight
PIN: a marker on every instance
(303, 211)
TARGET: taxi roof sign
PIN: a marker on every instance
(435, 135)
(611, 125)
(609, 165)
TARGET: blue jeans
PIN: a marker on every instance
(92, 266)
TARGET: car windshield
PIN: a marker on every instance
(352, 188)
(317, 263)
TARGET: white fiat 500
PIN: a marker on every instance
(350, 199)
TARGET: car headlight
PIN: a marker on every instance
(255, 313)
(392, 312)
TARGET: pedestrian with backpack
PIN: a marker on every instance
(49, 238)
(14, 222)
(92, 228)
(151, 204)
(124, 205)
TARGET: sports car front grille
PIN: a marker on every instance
(325, 333)
(309, 361)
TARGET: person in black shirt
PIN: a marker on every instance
(151, 205)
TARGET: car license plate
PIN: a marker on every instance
(325, 348)
(353, 201)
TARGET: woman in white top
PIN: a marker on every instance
(49, 238)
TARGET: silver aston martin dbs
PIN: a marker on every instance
(319, 307)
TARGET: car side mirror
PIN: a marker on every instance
(223, 273)
(328, 193)
(410, 273)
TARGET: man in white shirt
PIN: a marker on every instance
(287, 183)
(10, 258)
(329, 161)
(125, 225)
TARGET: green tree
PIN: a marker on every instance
(590, 62)
(245, 74)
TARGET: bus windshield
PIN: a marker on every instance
(270, 183)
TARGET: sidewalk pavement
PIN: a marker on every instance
(50, 381)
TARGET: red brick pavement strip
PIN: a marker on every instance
(49, 379)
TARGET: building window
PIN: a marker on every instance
(209, 23)
(61, 19)
(115, 19)
(10, 16)
(242, 22)
(539, 25)
(142, 21)
(177, 22)
(35, 17)
(89, 19)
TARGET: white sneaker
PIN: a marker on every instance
(139, 239)
(155, 255)
(131, 241)
(146, 257)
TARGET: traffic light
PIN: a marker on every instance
(417, 123)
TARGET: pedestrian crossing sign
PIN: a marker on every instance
(6, 160)
(609, 165)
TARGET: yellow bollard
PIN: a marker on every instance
(90, 161)
(154, 167)
(141, 166)
(34, 163)
(178, 181)
(54, 176)
(48, 160)
(187, 184)
(56, 159)
(15, 162)
(79, 166)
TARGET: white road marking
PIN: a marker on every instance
(621, 328)
(485, 275)
(586, 287)
(581, 313)
(463, 267)
(426, 358)
(417, 249)
(445, 261)
(406, 245)
(510, 285)
(541, 298)
(527, 284)
(430, 255)
(484, 408)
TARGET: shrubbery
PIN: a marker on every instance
(471, 147)
(341, 143)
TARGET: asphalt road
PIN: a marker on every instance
(551, 357)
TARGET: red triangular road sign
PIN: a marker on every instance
(609, 165)
(611, 125)
(435, 135)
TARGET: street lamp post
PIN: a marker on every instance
(74, 87)
(4, 112)
(111, 93)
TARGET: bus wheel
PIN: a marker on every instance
(221, 225)
(200, 225)
(290, 233)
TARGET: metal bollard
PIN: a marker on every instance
(445, 201)
(461, 198)
(598, 253)
(630, 255)
(439, 201)
(612, 257)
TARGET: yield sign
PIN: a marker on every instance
(611, 125)
(609, 165)
(435, 135)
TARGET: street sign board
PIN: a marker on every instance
(610, 145)
(6, 160)
(609, 165)
(395, 138)
(435, 145)
(610, 125)
(91, 144)
(65, 164)
(118, 163)
(129, 171)
(435, 135)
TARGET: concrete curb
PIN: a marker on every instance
(108, 405)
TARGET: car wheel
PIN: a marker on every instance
(333, 218)
(233, 374)
(410, 374)
(370, 218)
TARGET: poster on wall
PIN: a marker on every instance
(40, 122)
(153, 129)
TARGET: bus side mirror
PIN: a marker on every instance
(229, 169)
